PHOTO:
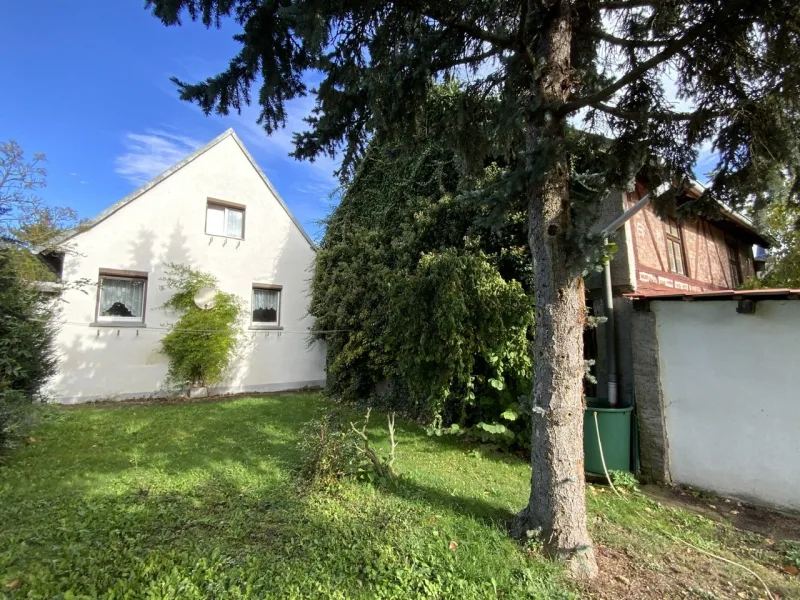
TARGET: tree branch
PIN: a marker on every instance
(471, 29)
(467, 59)
(668, 52)
(623, 4)
(633, 115)
(624, 42)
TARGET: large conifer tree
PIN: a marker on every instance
(613, 63)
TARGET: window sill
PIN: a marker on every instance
(225, 237)
(118, 325)
(266, 327)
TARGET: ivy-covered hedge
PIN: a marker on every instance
(433, 296)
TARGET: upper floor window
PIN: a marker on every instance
(266, 307)
(121, 296)
(225, 219)
(735, 264)
(674, 247)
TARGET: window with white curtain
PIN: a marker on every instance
(226, 221)
(121, 299)
(266, 305)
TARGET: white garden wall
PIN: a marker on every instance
(167, 224)
(731, 397)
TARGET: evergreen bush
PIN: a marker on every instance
(201, 344)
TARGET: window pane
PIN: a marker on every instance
(676, 249)
(266, 304)
(672, 228)
(121, 299)
(215, 220)
(670, 256)
(234, 222)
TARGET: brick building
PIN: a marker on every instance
(658, 255)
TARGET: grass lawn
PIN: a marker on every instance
(200, 501)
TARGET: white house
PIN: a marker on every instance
(214, 211)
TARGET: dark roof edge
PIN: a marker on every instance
(765, 294)
(736, 217)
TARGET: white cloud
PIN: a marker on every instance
(152, 152)
(279, 144)
(306, 185)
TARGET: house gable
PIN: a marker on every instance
(230, 133)
(163, 223)
(693, 256)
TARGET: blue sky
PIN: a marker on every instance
(88, 85)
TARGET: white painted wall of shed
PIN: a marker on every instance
(167, 224)
(730, 394)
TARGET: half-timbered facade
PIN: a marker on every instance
(664, 255)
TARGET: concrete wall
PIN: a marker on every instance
(730, 397)
(167, 224)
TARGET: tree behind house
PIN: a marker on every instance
(27, 332)
(781, 221)
(546, 61)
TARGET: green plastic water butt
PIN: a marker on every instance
(615, 433)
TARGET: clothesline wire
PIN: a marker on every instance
(150, 328)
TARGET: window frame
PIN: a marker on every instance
(226, 206)
(734, 263)
(126, 275)
(671, 238)
(264, 324)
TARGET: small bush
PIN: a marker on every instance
(327, 452)
(201, 344)
(624, 480)
(791, 552)
(331, 451)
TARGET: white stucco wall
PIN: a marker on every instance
(167, 224)
(732, 405)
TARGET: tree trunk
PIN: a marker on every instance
(557, 506)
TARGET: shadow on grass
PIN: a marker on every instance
(220, 539)
(440, 500)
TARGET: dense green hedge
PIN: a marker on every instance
(27, 348)
(433, 295)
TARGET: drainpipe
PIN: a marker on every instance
(608, 298)
(611, 346)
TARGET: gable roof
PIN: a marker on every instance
(697, 188)
(174, 169)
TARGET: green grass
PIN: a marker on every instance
(200, 501)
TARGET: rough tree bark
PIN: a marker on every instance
(557, 506)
